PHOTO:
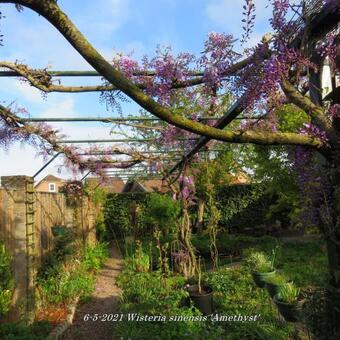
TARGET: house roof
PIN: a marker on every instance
(153, 185)
(50, 178)
(110, 184)
(133, 186)
(147, 185)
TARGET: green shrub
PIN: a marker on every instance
(63, 282)
(258, 262)
(94, 256)
(19, 331)
(162, 212)
(117, 215)
(6, 280)
(66, 286)
(242, 205)
(62, 250)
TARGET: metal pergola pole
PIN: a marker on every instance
(46, 164)
(227, 118)
(123, 140)
(104, 153)
(56, 74)
(108, 119)
(87, 73)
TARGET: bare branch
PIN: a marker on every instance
(43, 81)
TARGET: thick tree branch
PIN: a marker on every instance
(316, 112)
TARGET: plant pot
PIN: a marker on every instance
(59, 230)
(272, 289)
(202, 301)
(260, 278)
(290, 311)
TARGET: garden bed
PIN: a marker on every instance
(234, 293)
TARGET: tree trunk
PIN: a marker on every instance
(331, 224)
(184, 237)
(200, 213)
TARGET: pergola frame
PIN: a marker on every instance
(318, 26)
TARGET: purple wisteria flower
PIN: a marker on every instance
(314, 131)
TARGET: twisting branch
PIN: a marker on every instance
(42, 79)
(316, 112)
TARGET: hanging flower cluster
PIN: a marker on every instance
(74, 191)
(248, 20)
(328, 47)
(313, 184)
(187, 190)
(334, 111)
(312, 130)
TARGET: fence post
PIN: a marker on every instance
(24, 253)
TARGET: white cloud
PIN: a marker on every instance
(63, 108)
(29, 93)
(101, 18)
(119, 8)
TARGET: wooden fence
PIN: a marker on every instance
(26, 218)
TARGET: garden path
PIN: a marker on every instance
(104, 301)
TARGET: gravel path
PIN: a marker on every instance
(104, 301)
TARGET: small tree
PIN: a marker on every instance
(162, 212)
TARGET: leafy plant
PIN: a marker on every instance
(63, 249)
(94, 256)
(140, 260)
(259, 262)
(117, 215)
(233, 295)
(62, 282)
(162, 212)
(6, 280)
(66, 285)
(153, 294)
(288, 293)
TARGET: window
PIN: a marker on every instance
(51, 187)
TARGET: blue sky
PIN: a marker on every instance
(112, 26)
